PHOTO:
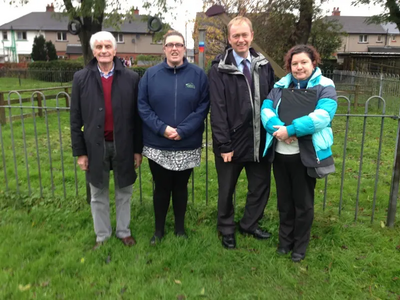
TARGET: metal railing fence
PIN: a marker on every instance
(359, 86)
(36, 158)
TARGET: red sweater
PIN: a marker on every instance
(108, 120)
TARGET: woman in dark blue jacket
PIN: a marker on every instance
(173, 103)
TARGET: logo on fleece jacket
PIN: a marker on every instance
(190, 85)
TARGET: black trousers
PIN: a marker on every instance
(295, 190)
(169, 182)
(258, 188)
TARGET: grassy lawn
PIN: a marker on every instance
(12, 84)
(46, 237)
(46, 255)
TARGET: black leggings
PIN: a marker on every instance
(167, 182)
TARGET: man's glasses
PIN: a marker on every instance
(176, 45)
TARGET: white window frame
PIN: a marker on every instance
(62, 35)
(119, 37)
(393, 38)
(5, 33)
(363, 39)
(22, 35)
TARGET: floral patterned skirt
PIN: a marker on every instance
(174, 160)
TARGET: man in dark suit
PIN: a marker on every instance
(240, 80)
(106, 134)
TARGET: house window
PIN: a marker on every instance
(393, 38)
(119, 37)
(61, 36)
(363, 38)
(5, 36)
(379, 39)
(21, 35)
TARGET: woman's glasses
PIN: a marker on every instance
(176, 45)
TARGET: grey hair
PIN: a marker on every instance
(102, 36)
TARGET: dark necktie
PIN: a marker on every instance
(246, 72)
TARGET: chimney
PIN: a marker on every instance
(50, 8)
(136, 11)
(336, 12)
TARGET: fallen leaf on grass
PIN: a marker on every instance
(44, 284)
(82, 260)
(203, 292)
(383, 224)
(253, 250)
(23, 288)
(345, 247)
(303, 269)
(398, 247)
(395, 278)
(180, 297)
(177, 281)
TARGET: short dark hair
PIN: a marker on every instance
(307, 49)
(171, 33)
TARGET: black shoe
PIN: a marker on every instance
(181, 234)
(155, 240)
(229, 241)
(297, 257)
(283, 250)
(258, 233)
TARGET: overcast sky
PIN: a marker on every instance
(185, 13)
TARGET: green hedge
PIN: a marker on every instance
(56, 64)
(139, 70)
(54, 71)
(61, 70)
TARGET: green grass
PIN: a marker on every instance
(46, 239)
(46, 250)
(12, 84)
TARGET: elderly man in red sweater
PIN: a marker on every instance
(106, 134)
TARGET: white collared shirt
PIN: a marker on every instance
(239, 60)
(109, 74)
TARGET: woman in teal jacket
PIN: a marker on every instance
(299, 146)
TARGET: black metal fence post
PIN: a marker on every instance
(394, 187)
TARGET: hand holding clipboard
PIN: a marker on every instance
(295, 103)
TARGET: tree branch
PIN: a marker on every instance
(71, 9)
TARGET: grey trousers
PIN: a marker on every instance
(100, 201)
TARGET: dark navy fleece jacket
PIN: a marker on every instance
(177, 97)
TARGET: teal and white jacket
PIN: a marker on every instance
(316, 124)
